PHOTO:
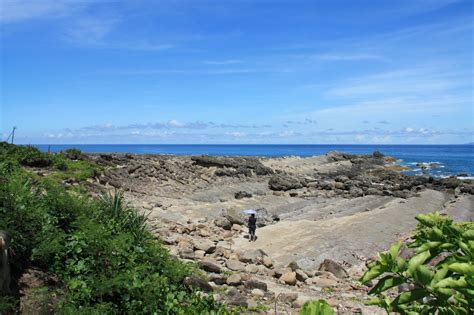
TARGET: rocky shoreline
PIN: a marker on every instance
(320, 219)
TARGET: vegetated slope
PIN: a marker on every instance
(96, 253)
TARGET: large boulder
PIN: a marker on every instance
(285, 182)
(255, 284)
(223, 222)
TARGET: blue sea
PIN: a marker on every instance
(440, 160)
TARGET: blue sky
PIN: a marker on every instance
(83, 71)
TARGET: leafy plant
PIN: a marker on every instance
(319, 307)
(439, 277)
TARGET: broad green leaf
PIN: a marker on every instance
(451, 283)
(464, 268)
(417, 260)
(440, 274)
(373, 273)
(428, 246)
(319, 307)
(402, 264)
(395, 248)
(385, 284)
(426, 219)
(374, 301)
(423, 275)
(469, 235)
(410, 296)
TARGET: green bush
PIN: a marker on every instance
(105, 258)
(319, 307)
(440, 276)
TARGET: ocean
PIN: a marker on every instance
(439, 160)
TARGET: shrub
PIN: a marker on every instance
(31, 156)
(319, 307)
(440, 276)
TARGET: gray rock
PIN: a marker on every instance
(223, 222)
(205, 245)
(235, 265)
(334, 268)
(251, 256)
(284, 182)
(288, 297)
(289, 278)
(210, 265)
(255, 284)
(234, 280)
(301, 275)
(242, 194)
(235, 298)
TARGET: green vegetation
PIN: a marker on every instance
(319, 307)
(439, 277)
(106, 260)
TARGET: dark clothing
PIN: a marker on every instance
(252, 229)
(252, 222)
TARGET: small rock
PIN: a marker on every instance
(235, 265)
(210, 265)
(234, 280)
(281, 271)
(252, 268)
(223, 222)
(235, 298)
(186, 253)
(257, 293)
(267, 262)
(242, 194)
(289, 278)
(205, 245)
(324, 282)
(300, 275)
(255, 284)
(288, 297)
(293, 266)
(334, 268)
(199, 254)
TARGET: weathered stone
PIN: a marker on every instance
(199, 254)
(300, 275)
(252, 268)
(252, 284)
(197, 282)
(280, 271)
(293, 266)
(267, 262)
(288, 297)
(217, 278)
(250, 256)
(235, 298)
(334, 268)
(324, 282)
(210, 265)
(284, 182)
(223, 222)
(289, 278)
(235, 265)
(242, 194)
(257, 293)
(186, 253)
(234, 280)
(205, 245)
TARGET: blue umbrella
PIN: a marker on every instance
(250, 211)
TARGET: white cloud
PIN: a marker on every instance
(12, 11)
(347, 57)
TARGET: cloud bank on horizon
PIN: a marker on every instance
(81, 71)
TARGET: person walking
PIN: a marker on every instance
(252, 227)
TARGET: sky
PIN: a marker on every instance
(237, 71)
